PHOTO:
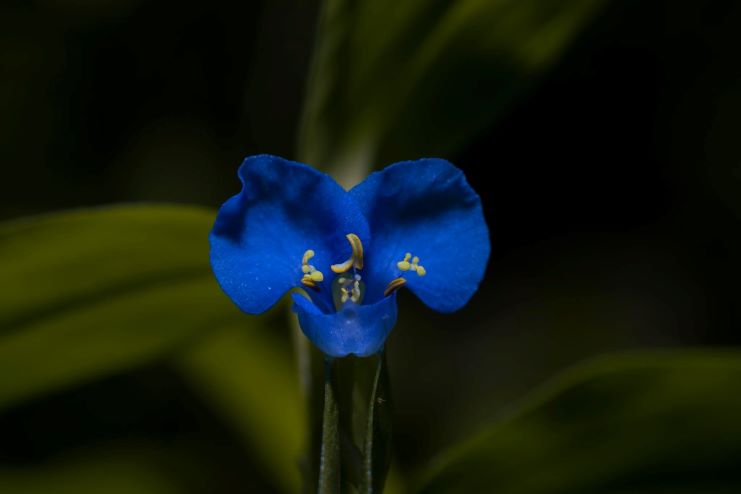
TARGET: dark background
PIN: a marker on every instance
(612, 190)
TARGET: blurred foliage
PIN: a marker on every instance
(116, 474)
(436, 76)
(92, 293)
(252, 383)
(89, 293)
(653, 422)
(641, 423)
(612, 190)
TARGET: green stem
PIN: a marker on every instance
(329, 461)
(377, 447)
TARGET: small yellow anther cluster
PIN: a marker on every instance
(312, 275)
(350, 288)
(405, 265)
(409, 263)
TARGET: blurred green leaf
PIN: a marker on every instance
(395, 81)
(88, 293)
(642, 423)
(94, 292)
(108, 474)
(251, 382)
(133, 466)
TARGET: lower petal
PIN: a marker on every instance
(359, 330)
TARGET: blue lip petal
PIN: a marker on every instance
(359, 330)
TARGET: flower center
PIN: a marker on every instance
(346, 288)
(349, 286)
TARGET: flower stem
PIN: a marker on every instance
(329, 462)
(377, 446)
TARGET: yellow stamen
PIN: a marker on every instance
(316, 276)
(394, 285)
(357, 249)
(404, 265)
(308, 282)
(342, 267)
(356, 291)
(356, 258)
(312, 275)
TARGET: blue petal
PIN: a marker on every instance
(427, 208)
(355, 329)
(261, 234)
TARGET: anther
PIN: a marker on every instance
(405, 265)
(355, 292)
(346, 288)
(311, 276)
(342, 267)
(356, 258)
(316, 276)
(308, 282)
(394, 285)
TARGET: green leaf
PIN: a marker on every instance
(394, 81)
(663, 422)
(117, 473)
(377, 447)
(88, 293)
(251, 381)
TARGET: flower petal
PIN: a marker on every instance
(426, 208)
(355, 329)
(260, 235)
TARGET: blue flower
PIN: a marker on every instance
(415, 224)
